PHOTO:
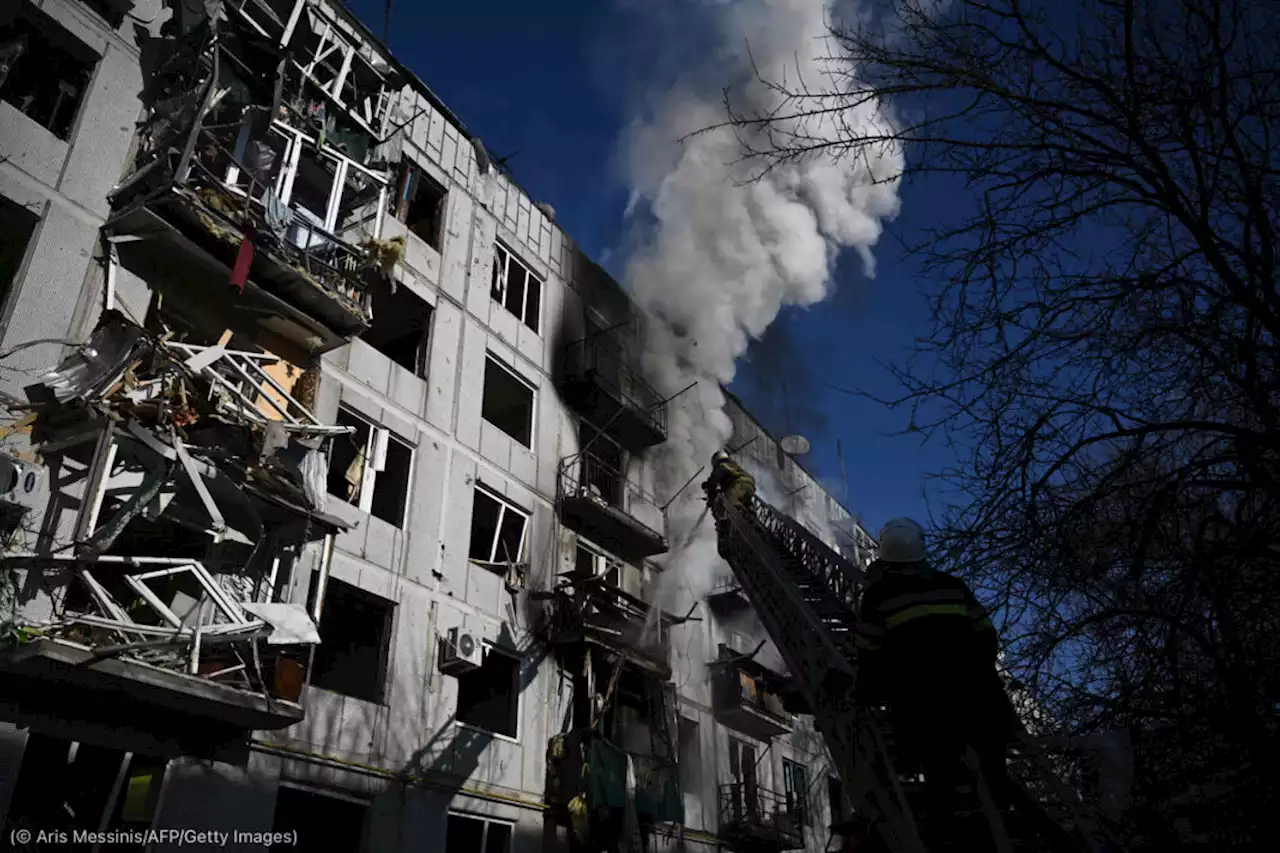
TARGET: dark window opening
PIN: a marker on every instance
(355, 633)
(465, 834)
(742, 768)
(497, 529)
(322, 823)
(507, 402)
(488, 697)
(401, 326)
(370, 469)
(690, 757)
(836, 801)
(795, 787)
(602, 464)
(421, 205)
(44, 70)
(516, 287)
(17, 225)
(68, 786)
(112, 11)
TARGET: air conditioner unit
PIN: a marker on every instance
(460, 651)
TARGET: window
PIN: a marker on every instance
(507, 401)
(602, 464)
(401, 325)
(112, 11)
(497, 529)
(518, 289)
(690, 755)
(592, 563)
(793, 785)
(323, 822)
(17, 224)
(489, 697)
(836, 801)
(421, 204)
(370, 468)
(467, 834)
(44, 70)
(355, 633)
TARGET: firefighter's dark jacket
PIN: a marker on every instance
(914, 620)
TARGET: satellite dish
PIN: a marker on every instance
(794, 445)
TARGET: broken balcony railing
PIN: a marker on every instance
(759, 817)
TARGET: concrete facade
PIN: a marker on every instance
(404, 758)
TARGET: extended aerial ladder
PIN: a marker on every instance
(805, 594)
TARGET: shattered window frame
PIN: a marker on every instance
(413, 180)
(296, 141)
(500, 287)
(377, 443)
(795, 788)
(602, 564)
(504, 506)
(66, 68)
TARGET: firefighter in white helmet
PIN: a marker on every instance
(927, 649)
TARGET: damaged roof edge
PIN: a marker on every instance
(409, 74)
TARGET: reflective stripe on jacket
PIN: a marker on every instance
(923, 613)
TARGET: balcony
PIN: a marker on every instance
(600, 386)
(748, 697)
(266, 220)
(592, 611)
(191, 513)
(726, 596)
(757, 819)
(598, 501)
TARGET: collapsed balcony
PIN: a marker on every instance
(604, 389)
(254, 192)
(589, 606)
(202, 491)
(748, 696)
(757, 819)
(726, 596)
(597, 500)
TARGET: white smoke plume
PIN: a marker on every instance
(724, 254)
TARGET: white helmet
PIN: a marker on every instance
(902, 541)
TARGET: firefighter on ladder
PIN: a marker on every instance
(927, 649)
(729, 478)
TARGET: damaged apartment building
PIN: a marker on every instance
(328, 489)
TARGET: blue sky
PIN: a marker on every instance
(550, 84)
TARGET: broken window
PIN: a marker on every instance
(65, 785)
(592, 563)
(795, 788)
(420, 204)
(467, 834)
(321, 821)
(497, 529)
(370, 468)
(17, 225)
(489, 697)
(44, 70)
(516, 287)
(507, 401)
(401, 325)
(742, 767)
(355, 634)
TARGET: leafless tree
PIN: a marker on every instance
(1104, 349)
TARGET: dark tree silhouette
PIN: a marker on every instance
(1104, 348)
